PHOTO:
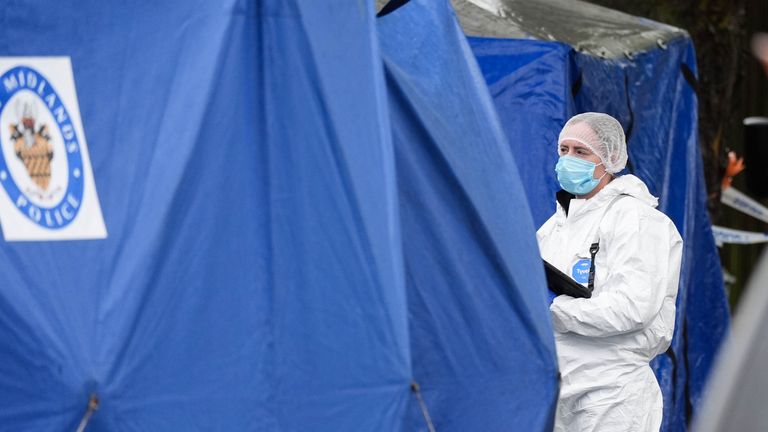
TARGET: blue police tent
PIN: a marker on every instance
(546, 60)
(302, 228)
(481, 340)
(252, 278)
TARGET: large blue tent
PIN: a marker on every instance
(473, 273)
(252, 278)
(305, 232)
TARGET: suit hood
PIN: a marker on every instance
(627, 185)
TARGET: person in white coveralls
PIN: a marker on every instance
(607, 226)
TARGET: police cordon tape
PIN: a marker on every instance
(727, 235)
(741, 202)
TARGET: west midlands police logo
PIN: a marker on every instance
(37, 139)
(44, 166)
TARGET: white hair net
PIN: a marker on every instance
(603, 135)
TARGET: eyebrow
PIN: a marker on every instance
(578, 147)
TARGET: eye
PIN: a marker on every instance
(563, 150)
(583, 152)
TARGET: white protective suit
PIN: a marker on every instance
(604, 343)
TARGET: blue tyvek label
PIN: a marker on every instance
(580, 270)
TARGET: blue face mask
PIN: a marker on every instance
(577, 176)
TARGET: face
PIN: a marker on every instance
(579, 150)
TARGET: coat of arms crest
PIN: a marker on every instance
(32, 143)
(47, 189)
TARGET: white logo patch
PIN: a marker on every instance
(48, 190)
